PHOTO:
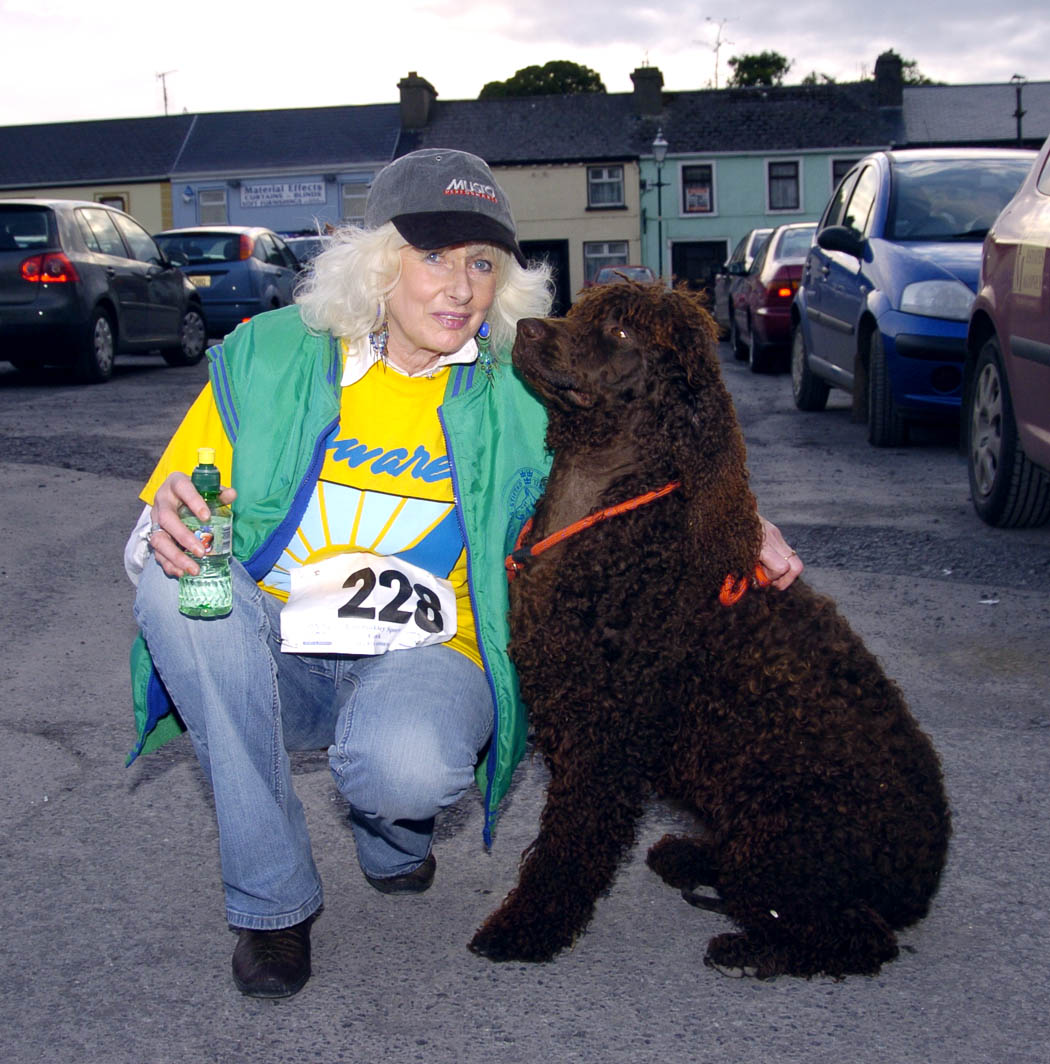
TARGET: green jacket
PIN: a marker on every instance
(277, 389)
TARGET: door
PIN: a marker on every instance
(556, 254)
(126, 278)
(165, 284)
(697, 262)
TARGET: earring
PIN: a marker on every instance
(377, 341)
(484, 350)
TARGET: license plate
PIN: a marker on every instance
(200, 280)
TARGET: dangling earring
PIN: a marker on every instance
(377, 341)
(484, 350)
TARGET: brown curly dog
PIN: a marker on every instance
(824, 813)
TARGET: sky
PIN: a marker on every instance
(71, 60)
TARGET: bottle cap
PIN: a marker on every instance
(206, 455)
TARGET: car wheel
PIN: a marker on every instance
(886, 425)
(193, 338)
(739, 351)
(1008, 491)
(808, 390)
(95, 359)
(758, 358)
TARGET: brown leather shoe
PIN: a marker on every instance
(272, 964)
(414, 882)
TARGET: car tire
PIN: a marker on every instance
(808, 390)
(98, 350)
(886, 425)
(193, 339)
(759, 359)
(739, 351)
(1008, 490)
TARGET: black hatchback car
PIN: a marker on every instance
(81, 282)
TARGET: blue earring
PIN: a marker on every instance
(377, 341)
(484, 350)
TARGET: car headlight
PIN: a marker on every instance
(938, 299)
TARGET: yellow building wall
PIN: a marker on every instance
(550, 203)
(149, 204)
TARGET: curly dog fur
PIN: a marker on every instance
(825, 817)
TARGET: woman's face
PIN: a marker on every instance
(439, 302)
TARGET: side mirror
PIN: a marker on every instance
(736, 269)
(840, 238)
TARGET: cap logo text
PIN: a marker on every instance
(460, 186)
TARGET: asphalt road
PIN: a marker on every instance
(114, 947)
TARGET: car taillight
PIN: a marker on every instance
(781, 289)
(50, 268)
(247, 243)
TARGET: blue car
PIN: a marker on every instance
(238, 271)
(886, 290)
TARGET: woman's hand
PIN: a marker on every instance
(169, 538)
(781, 563)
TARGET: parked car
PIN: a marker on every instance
(612, 274)
(81, 282)
(749, 245)
(307, 247)
(886, 290)
(1006, 406)
(761, 303)
(238, 271)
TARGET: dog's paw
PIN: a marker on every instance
(501, 939)
(733, 955)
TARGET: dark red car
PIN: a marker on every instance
(761, 325)
(1006, 389)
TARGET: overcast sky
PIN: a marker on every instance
(68, 59)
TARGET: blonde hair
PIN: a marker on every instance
(346, 289)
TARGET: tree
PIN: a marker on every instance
(815, 77)
(763, 68)
(912, 75)
(556, 78)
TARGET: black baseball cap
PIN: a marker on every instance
(437, 197)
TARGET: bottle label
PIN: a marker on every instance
(363, 603)
(215, 535)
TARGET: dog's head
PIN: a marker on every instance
(636, 366)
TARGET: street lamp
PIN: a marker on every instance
(1019, 81)
(659, 154)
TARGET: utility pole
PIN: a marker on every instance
(1019, 81)
(163, 78)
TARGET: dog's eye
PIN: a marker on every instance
(618, 332)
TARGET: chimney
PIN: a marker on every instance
(889, 80)
(417, 100)
(648, 83)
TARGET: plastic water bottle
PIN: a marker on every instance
(210, 592)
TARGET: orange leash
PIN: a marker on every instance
(519, 557)
(733, 590)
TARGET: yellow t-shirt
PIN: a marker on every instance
(385, 485)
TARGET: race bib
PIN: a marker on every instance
(364, 603)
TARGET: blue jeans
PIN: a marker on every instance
(403, 731)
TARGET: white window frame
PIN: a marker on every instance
(714, 189)
(354, 193)
(769, 164)
(211, 206)
(604, 177)
(599, 253)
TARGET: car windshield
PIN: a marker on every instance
(200, 248)
(794, 243)
(26, 229)
(306, 247)
(951, 199)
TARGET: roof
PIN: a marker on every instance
(971, 114)
(295, 138)
(82, 153)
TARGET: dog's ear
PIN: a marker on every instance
(709, 455)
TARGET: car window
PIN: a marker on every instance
(794, 243)
(285, 253)
(200, 248)
(759, 239)
(739, 251)
(268, 250)
(138, 240)
(27, 228)
(952, 199)
(836, 205)
(100, 232)
(857, 215)
(1043, 184)
(760, 259)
